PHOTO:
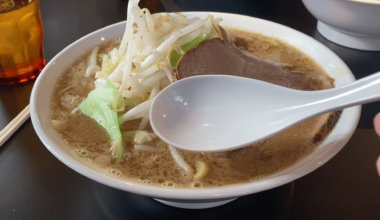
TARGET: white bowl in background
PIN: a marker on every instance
(350, 23)
(194, 198)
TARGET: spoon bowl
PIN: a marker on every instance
(218, 113)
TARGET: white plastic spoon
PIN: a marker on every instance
(218, 113)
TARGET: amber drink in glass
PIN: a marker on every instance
(21, 49)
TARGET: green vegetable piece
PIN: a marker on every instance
(97, 106)
(78, 154)
(103, 54)
(174, 56)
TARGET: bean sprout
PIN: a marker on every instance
(93, 65)
(181, 163)
(141, 66)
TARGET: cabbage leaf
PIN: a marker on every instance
(97, 106)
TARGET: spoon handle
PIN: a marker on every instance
(360, 92)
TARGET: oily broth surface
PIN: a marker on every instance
(90, 141)
(266, 48)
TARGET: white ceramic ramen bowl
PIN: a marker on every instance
(350, 23)
(194, 198)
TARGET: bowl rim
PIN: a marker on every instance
(370, 2)
(224, 192)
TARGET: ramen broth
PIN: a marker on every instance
(91, 143)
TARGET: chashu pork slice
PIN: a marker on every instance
(216, 56)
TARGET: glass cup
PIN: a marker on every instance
(21, 34)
